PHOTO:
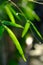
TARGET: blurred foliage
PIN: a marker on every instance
(10, 13)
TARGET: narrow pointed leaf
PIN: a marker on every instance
(30, 13)
(26, 28)
(33, 14)
(27, 13)
(15, 41)
(12, 24)
(17, 25)
(36, 16)
(9, 13)
(14, 13)
(38, 33)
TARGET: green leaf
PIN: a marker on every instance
(38, 33)
(27, 13)
(9, 13)
(14, 13)
(30, 13)
(26, 28)
(15, 41)
(35, 16)
(33, 13)
(11, 24)
(1, 31)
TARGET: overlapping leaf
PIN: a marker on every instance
(30, 13)
(26, 28)
(15, 41)
(11, 24)
(14, 13)
(9, 13)
(38, 33)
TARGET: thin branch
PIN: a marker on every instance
(15, 5)
(36, 2)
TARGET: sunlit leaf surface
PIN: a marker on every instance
(26, 28)
(15, 41)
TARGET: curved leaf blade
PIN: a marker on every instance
(14, 12)
(9, 13)
(26, 28)
(16, 42)
(12, 24)
(38, 33)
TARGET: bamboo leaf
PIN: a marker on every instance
(30, 13)
(12, 24)
(38, 33)
(26, 28)
(16, 42)
(14, 13)
(33, 14)
(9, 13)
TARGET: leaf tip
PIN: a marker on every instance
(24, 58)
